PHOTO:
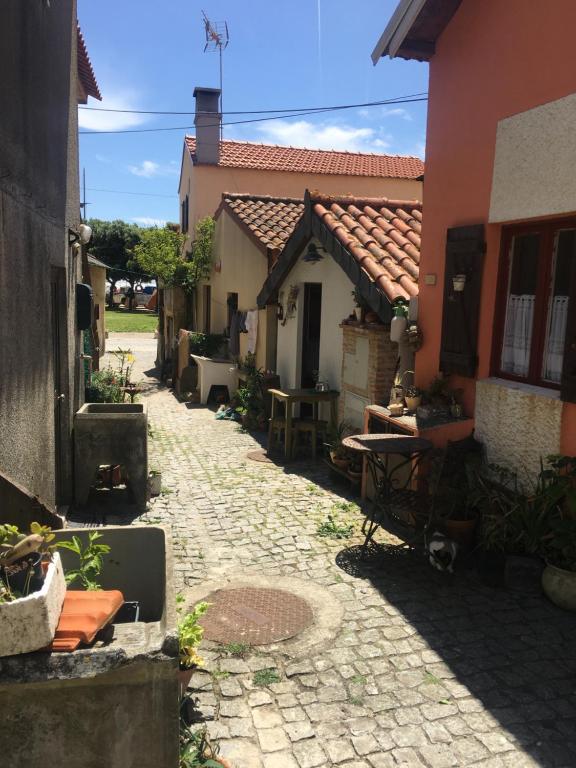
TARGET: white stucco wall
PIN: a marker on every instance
(337, 304)
(518, 423)
(534, 163)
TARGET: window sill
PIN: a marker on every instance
(528, 389)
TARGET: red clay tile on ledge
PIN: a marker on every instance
(83, 616)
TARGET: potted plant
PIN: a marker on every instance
(355, 468)
(190, 634)
(335, 433)
(559, 547)
(32, 589)
(413, 397)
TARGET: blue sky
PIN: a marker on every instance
(284, 54)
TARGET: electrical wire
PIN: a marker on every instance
(322, 110)
(254, 111)
(123, 192)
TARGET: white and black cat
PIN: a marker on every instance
(441, 551)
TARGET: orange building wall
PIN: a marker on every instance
(487, 66)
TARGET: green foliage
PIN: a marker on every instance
(331, 529)
(239, 650)
(190, 634)
(106, 384)
(196, 749)
(264, 677)
(113, 242)
(90, 560)
(160, 254)
(204, 344)
(249, 398)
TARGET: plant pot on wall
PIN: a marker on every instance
(461, 531)
(559, 586)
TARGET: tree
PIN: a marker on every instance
(159, 253)
(113, 242)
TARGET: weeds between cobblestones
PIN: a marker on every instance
(424, 670)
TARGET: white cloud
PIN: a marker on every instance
(147, 221)
(94, 120)
(103, 159)
(396, 112)
(303, 133)
(149, 168)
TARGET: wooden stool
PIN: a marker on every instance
(276, 427)
(313, 427)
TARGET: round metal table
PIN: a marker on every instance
(396, 501)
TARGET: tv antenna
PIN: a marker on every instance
(217, 39)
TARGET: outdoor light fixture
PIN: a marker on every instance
(459, 283)
(313, 254)
(85, 234)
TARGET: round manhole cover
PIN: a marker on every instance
(255, 616)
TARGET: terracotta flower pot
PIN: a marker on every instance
(413, 402)
(341, 463)
(461, 531)
(559, 586)
(184, 677)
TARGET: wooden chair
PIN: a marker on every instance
(312, 427)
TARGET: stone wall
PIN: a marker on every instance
(368, 366)
(519, 424)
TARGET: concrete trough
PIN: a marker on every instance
(111, 433)
(115, 704)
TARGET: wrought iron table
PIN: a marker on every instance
(396, 501)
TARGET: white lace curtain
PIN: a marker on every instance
(554, 350)
(518, 335)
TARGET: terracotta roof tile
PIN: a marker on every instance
(271, 220)
(268, 157)
(382, 235)
(85, 71)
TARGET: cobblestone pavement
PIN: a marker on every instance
(424, 669)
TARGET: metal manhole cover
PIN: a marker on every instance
(255, 616)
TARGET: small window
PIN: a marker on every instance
(537, 269)
(184, 208)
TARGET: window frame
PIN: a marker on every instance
(548, 229)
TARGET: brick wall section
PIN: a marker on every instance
(382, 357)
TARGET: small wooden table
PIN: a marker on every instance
(291, 396)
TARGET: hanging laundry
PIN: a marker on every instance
(252, 328)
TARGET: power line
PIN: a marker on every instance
(322, 110)
(124, 192)
(253, 111)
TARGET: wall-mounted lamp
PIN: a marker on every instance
(458, 283)
(279, 312)
(313, 254)
(83, 235)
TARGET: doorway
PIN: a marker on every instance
(311, 335)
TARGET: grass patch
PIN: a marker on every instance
(265, 677)
(431, 679)
(120, 321)
(239, 650)
(313, 490)
(357, 701)
(358, 679)
(331, 529)
(220, 674)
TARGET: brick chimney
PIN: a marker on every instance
(207, 121)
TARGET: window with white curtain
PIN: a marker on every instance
(540, 260)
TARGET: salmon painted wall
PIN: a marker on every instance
(495, 59)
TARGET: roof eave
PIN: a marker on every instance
(397, 29)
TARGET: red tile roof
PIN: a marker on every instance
(269, 220)
(269, 157)
(382, 235)
(85, 71)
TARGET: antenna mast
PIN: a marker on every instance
(217, 38)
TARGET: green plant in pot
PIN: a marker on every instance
(413, 397)
(190, 633)
(335, 433)
(559, 546)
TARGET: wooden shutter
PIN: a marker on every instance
(465, 248)
(568, 381)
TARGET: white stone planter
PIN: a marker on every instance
(559, 586)
(29, 623)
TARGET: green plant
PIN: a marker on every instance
(196, 748)
(334, 530)
(438, 392)
(190, 634)
(220, 674)
(335, 433)
(15, 545)
(204, 344)
(239, 650)
(90, 560)
(359, 679)
(107, 385)
(264, 677)
(249, 399)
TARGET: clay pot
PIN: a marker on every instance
(341, 463)
(371, 317)
(559, 586)
(461, 531)
(184, 677)
(413, 402)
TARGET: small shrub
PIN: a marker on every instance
(331, 529)
(264, 677)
